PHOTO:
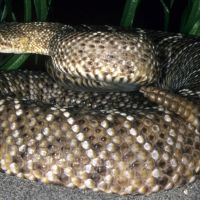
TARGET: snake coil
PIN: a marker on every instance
(122, 116)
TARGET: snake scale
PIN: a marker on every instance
(122, 116)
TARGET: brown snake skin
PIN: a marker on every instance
(123, 116)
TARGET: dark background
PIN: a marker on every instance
(149, 14)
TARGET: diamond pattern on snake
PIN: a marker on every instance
(118, 111)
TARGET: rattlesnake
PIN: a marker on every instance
(122, 116)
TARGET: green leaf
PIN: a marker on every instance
(49, 3)
(195, 30)
(129, 12)
(166, 11)
(13, 17)
(4, 13)
(4, 58)
(7, 10)
(165, 7)
(42, 9)
(190, 16)
(14, 62)
(27, 10)
(171, 3)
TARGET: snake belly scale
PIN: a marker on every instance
(122, 116)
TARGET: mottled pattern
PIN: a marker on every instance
(120, 142)
(89, 56)
(179, 105)
(94, 55)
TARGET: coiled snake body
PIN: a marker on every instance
(123, 116)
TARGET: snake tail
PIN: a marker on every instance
(177, 104)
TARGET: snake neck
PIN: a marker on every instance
(28, 37)
(94, 56)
